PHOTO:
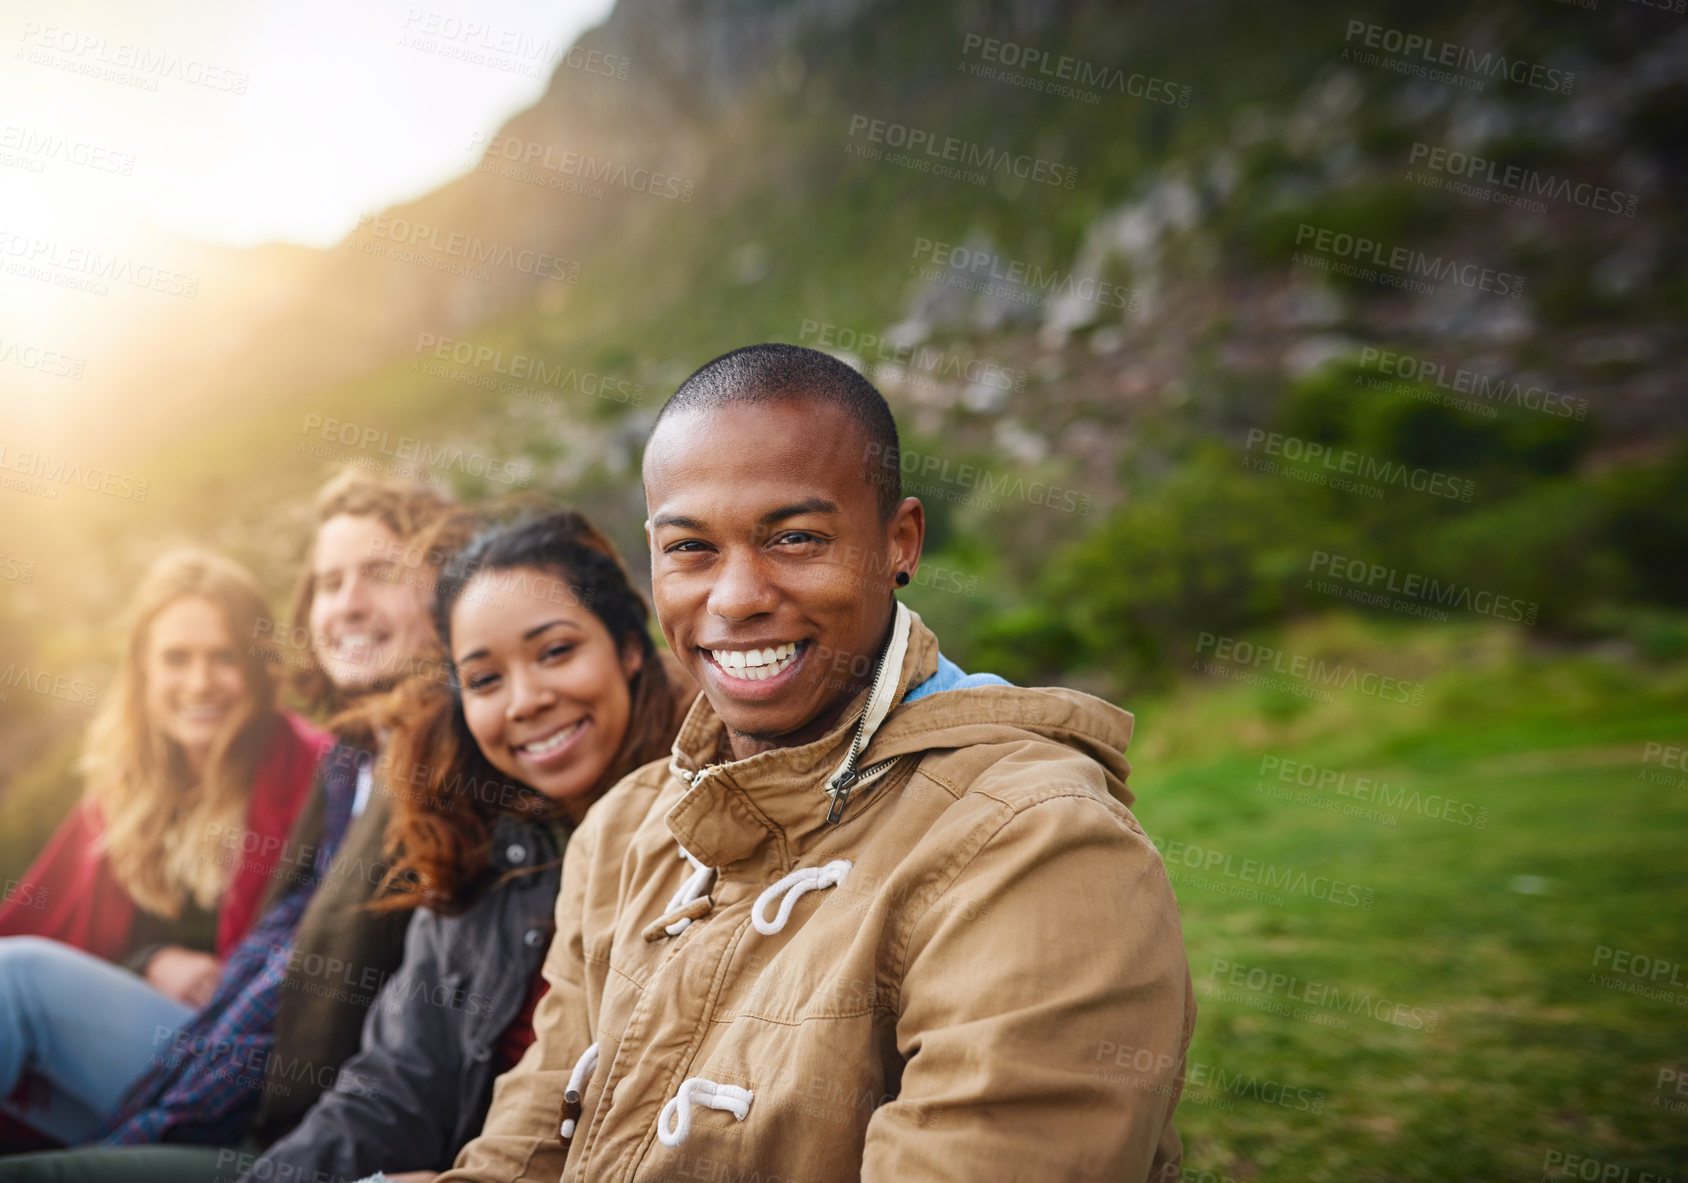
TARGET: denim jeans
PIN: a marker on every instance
(86, 1026)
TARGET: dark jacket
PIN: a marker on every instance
(341, 955)
(420, 1087)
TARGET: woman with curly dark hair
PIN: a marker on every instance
(556, 691)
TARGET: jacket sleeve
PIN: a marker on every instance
(1051, 957)
(520, 1142)
(393, 1103)
(69, 893)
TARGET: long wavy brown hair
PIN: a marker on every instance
(160, 820)
(445, 793)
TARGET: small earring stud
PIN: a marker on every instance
(902, 578)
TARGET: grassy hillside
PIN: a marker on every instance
(1505, 841)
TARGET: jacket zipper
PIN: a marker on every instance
(839, 787)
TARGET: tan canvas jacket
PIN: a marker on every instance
(951, 1005)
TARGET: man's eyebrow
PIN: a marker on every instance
(797, 509)
(680, 520)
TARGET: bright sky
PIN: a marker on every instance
(348, 106)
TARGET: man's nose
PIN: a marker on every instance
(741, 589)
(353, 596)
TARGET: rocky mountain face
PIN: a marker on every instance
(662, 116)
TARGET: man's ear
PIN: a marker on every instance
(907, 535)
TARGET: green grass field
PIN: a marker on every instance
(1403, 984)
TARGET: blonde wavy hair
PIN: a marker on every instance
(161, 823)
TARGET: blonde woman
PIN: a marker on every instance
(193, 779)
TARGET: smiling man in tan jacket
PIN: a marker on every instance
(876, 919)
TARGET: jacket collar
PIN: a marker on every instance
(730, 809)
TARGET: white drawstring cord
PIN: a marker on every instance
(695, 887)
(583, 1069)
(849, 777)
(792, 887)
(675, 1122)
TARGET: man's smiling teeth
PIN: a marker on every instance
(544, 747)
(349, 642)
(755, 665)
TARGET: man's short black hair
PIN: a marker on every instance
(780, 373)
